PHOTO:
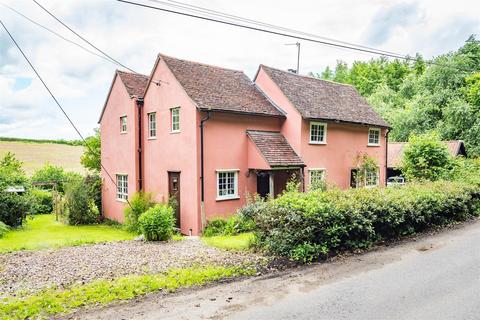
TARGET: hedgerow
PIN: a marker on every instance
(307, 226)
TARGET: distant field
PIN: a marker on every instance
(35, 155)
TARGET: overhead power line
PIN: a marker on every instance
(57, 103)
(294, 36)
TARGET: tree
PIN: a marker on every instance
(426, 157)
(91, 154)
(11, 171)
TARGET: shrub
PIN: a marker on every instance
(230, 226)
(80, 207)
(93, 183)
(4, 229)
(426, 157)
(215, 227)
(41, 201)
(157, 223)
(11, 172)
(141, 202)
(305, 226)
(13, 208)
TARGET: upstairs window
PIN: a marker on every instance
(122, 187)
(318, 133)
(152, 125)
(227, 184)
(175, 119)
(123, 124)
(373, 137)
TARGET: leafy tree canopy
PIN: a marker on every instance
(91, 155)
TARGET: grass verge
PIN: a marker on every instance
(51, 302)
(238, 242)
(43, 232)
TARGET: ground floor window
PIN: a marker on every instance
(227, 184)
(367, 178)
(316, 178)
(122, 186)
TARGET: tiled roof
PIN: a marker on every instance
(275, 149)
(220, 89)
(134, 82)
(326, 100)
(395, 151)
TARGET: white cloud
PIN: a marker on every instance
(134, 36)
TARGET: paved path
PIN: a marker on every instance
(435, 277)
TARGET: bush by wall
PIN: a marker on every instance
(140, 202)
(228, 226)
(13, 208)
(307, 226)
(4, 229)
(157, 223)
(80, 207)
(41, 201)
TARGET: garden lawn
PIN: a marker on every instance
(237, 242)
(42, 231)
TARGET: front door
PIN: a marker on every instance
(263, 184)
(174, 193)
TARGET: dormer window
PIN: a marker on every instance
(318, 132)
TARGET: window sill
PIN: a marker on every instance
(177, 131)
(123, 132)
(152, 138)
(318, 142)
(121, 200)
(373, 145)
(227, 198)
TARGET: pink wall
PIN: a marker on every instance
(118, 154)
(226, 145)
(177, 152)
(344, 141)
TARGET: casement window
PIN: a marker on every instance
(175, 119)
(227, 184)
(371, 178)
(152, 125)
(123, 124)
(316, 177)
(373, 137)
(122, 187)
(318, 132)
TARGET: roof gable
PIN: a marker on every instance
(135, 83)
(220, 89)
(321, 99)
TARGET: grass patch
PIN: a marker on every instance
(238, 242)
(51, 302)
(43, 232)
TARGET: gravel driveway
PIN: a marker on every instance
(29, 271)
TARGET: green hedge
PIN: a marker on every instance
(307, 226)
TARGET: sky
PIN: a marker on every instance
(134, 36)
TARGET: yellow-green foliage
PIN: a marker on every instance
(45, 304)
(236, 242)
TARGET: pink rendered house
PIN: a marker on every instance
(209, 136)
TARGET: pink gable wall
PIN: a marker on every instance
(175, 152)
(118, 150)
(255, 158)
(344, 141)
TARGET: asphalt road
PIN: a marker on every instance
(433, 277)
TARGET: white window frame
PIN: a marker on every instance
(152, 125)
(377, 130)
(123, 124)
(322, 124)
(311, 170)
(229, 196)
(377, 179)
(172, 119)
(122, 187)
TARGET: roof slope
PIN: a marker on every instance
(321, 99)
(275, 148)
(220, 89)
(135, 83)
(395, 151)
